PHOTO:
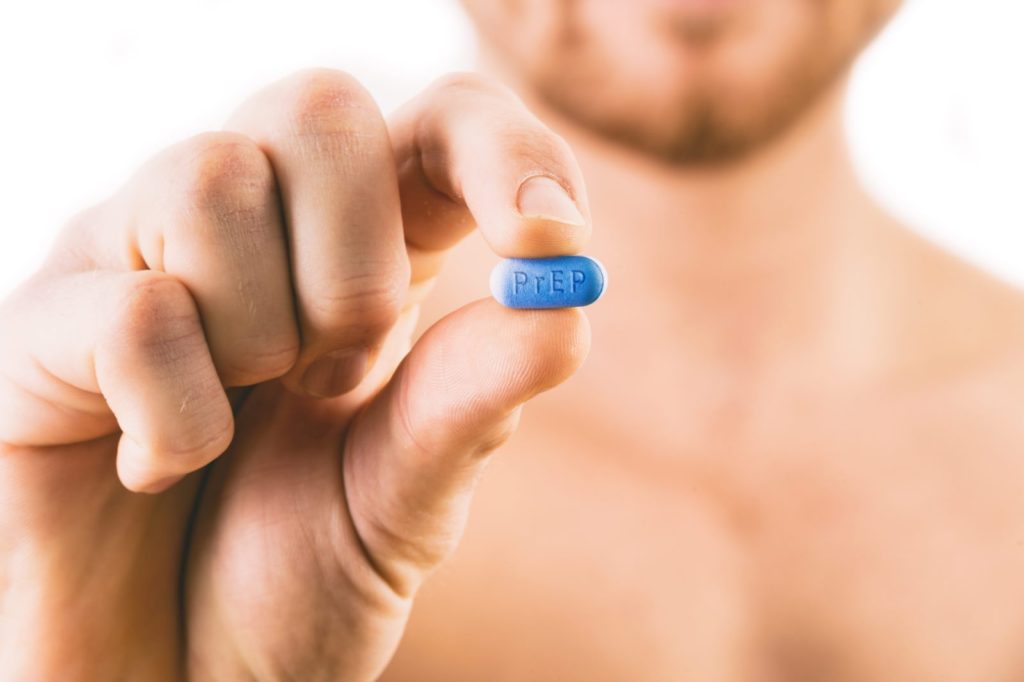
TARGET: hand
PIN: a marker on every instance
(211, 467)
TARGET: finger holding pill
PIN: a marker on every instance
(559, 282)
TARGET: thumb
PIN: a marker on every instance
(414, 454)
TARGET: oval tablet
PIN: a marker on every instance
(559, 282)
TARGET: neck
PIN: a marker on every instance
(777, 210)
(756, 269)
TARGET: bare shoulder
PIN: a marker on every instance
(962, 330)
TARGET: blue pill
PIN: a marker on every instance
(560, 282)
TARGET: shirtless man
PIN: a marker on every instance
(796, 451)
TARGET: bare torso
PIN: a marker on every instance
(643, 527)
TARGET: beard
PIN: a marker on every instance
(711, 115)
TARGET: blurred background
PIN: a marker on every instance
(91, 88)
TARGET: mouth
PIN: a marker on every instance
(695, 23)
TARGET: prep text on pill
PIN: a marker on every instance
(558, 282)
(554, 282)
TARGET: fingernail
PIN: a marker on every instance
(542, 197)
(335, 373)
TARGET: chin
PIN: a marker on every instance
(687, 81)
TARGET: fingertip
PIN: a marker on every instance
(536, 237)
(545, 219)
(545, 198)
(559, 342)
(135, 471)
(152, 468)
(511, 354)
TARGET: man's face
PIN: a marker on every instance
(688, 81)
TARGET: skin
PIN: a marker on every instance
(794, 452)
(792, 455)
(188, 491)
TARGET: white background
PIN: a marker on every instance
(90, 88)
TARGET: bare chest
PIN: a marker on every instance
(862, 552)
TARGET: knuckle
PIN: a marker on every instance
(509, 126)
(558, 148)
(371, 302)
(326, 102)
(469, 82)
(422, 552)
(80, 227)
(544, 149)
(225, 174)
(155, 309)
(86, 219)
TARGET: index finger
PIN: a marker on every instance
(470, 154)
